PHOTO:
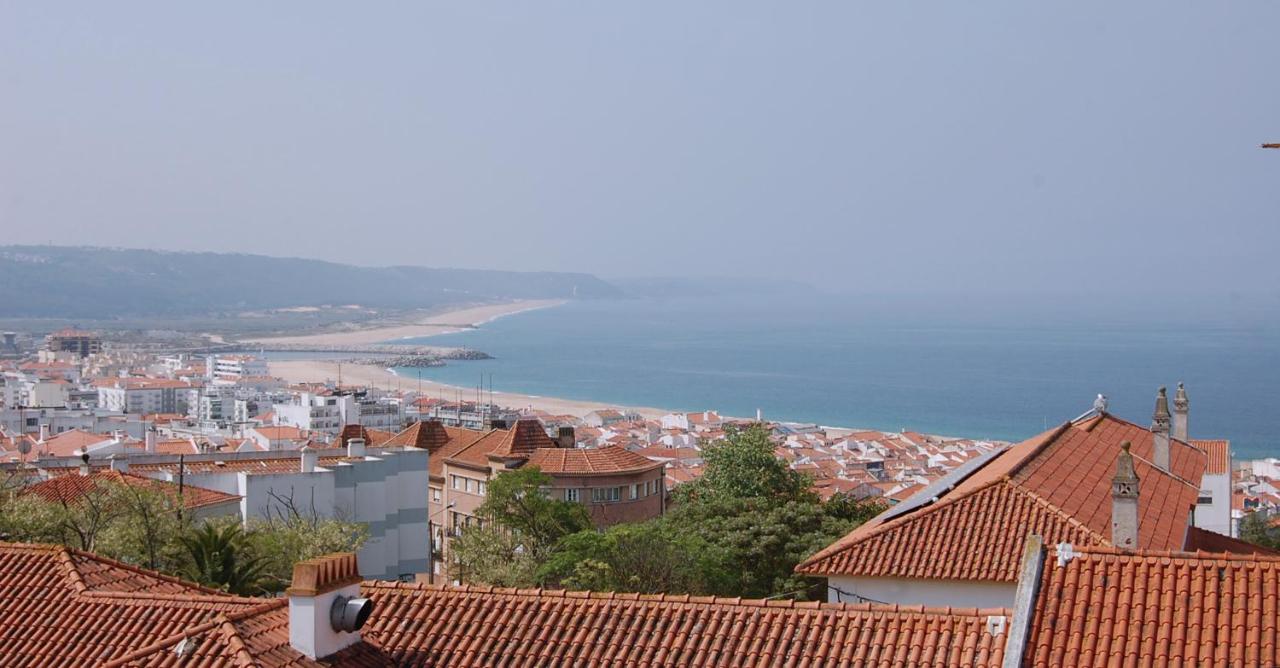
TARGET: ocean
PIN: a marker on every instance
(955, 367)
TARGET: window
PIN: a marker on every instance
(572, 495)
(1205, 498)
(435, 495)
(471, 486)
(456, 481)
(483, 487)
(606, 494)
(635, 491)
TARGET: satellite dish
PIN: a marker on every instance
(24, 446)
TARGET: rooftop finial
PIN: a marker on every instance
(1162, 408)
(1180, 401)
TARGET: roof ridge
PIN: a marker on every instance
(1203, 555)
(72, 572)
(218, 619)
(142, 571)
(685, 599)
(1040, 447)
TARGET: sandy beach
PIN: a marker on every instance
(313, 371)
(431, 325)
(318, 371)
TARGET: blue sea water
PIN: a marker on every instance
(949, 367)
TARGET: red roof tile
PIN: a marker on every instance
(419, 625)
(430, 435)
(64, 607)
(1218, 452)
(1057, 484)
(587, 461)
(70, 488)
(1109, 608)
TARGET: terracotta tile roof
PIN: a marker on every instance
(71, 442)
(430, 435)
(1110, 608)
(373, 438)
(1057, 484)
(418, 624)
(280, 433)
(522, 439)
(1209, 541)
(587, 461)
(1218, 452)
(64, 607)
(71, 487)
(287, 464)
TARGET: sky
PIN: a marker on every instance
(985, 148)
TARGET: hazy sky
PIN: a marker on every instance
(887, 146)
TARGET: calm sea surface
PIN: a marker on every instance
(956, 369)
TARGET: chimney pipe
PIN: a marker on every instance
(150, 440)
(1181, 409)
(566, 438)
(310, 458)
(1124, 502)
(1160, 432)
(44, 432)
(84, 463)
(355, 447)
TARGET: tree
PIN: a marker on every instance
(648, 557)
(493, 555)
(517, 502)
(284, 541)
(148, 530)
(219, 559)
(743, 465)
(1256, 528)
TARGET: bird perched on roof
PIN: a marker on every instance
(1100, 404)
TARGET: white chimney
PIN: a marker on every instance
(1124, 502)
(150, 439)
(44, 432)
(310, 458)
(119, 464)
(1181, 409)
(355, 447)
(1160, 432)
(84, 463)
(325, 607)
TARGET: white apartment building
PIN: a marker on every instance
(384, 489)
(234, 367)
(325, 413)
(147, 395)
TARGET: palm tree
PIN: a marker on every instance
(218, 560)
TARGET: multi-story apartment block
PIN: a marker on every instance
(147, 395)
(234, 367)
(78, 342)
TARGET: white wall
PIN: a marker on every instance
(919, 591)
(1216, 516)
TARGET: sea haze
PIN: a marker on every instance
(943, 365)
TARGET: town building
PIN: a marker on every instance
(147, 395)
(1085, 607)
(959, 540)
(234, 367)
(78, 342)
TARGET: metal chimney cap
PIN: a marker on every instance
(349, 613)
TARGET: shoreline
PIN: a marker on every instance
(319, 371)
(445, 322)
